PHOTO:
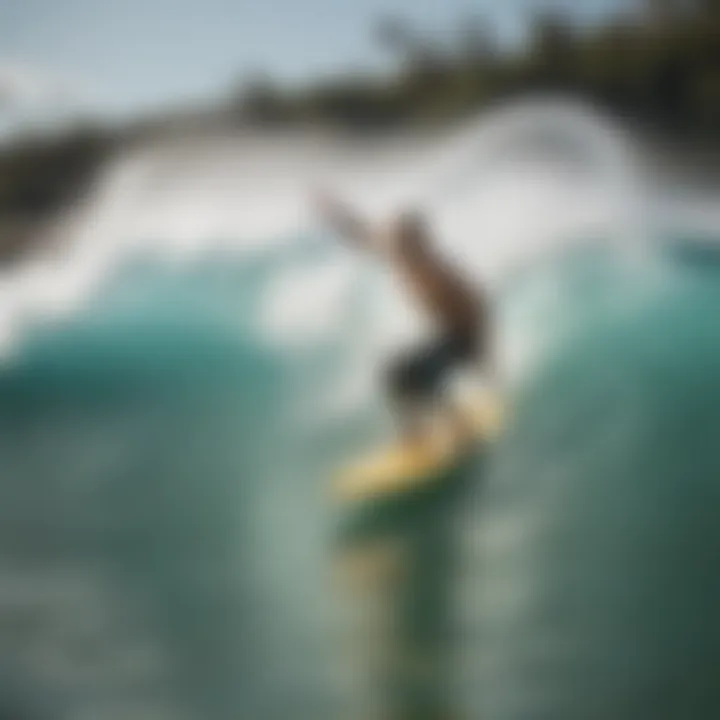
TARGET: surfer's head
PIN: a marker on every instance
(410, 234)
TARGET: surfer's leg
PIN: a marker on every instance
(460, 427)
(410, 385)
(455, 352)
(403, 406)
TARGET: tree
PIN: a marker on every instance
(261, 100)
(475, 40)
(393, 34)
(552, 48)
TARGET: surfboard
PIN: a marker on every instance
(397, 467)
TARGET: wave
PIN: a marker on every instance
(171, 409)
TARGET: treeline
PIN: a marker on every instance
(660, 63)
(39, 177)
(40, 174)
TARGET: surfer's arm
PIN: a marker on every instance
(346, 222)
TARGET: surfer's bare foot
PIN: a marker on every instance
(410, 424)
(415, 440)
(415, 435)
(461, 429)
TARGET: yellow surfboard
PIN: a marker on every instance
(398, 467)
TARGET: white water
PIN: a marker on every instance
(216, 503)
(501, 192)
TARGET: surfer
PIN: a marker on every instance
(458, 310)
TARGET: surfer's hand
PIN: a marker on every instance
(327, 205)
(343, 220)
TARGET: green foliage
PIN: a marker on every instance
(36, 177)
(662, 66)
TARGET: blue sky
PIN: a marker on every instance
(122, 57)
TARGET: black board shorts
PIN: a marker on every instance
(419, 373)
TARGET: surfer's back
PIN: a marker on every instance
(440, 289)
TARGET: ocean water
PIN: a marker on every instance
(171, 412)
(595, 532)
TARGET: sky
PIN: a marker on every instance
(119, 58)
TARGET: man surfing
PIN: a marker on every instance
(457, 309)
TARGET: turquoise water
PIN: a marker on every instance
(165, 532)
(160, 501)
(597, 529)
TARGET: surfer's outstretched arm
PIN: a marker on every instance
(345, 221)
